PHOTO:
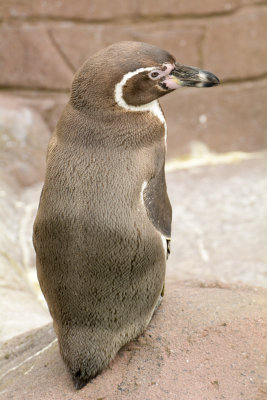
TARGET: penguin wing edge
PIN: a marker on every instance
(158, 205)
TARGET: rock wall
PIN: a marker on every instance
(42, 43)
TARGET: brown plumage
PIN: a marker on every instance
(104, 208)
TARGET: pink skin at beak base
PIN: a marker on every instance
(172, 82)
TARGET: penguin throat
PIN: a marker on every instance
(153, 107)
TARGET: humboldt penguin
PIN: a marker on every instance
(103, 226)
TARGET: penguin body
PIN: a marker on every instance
(103, 225)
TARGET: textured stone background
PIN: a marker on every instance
(42, 43)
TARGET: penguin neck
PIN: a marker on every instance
(147, 120)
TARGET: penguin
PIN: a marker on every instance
(103, 227)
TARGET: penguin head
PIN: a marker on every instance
(133, 74)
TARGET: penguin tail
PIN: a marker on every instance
(85, 354)
(79, 381)
(85, 373)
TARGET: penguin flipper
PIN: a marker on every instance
(158, 205)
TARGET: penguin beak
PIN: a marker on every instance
(182, 75)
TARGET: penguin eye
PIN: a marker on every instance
(153, 75)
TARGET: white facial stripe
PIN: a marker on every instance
(119, 91)
(153, 107)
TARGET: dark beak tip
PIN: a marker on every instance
(211, 80)
(216, 81)
(210, 84)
